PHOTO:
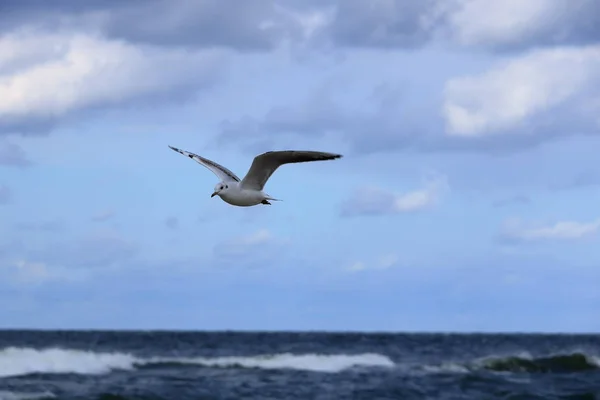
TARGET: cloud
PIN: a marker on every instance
(26, 272)
(261, 25)
(516, 199)
(100, 250)
(384, 262)
(5, 195)
(510, 25)
(383, 23)
(254, 249)
(241, 245)
(320, 115)
(45, 226)
(103, 216)
(504, 99)
(500, 26)
(516, 230)
(172, 223)
(390, 122)
(55, 75)
(65, 259)
(377, 201)
(581, 180)
(12, 155)
(253, 25)
(516, 25)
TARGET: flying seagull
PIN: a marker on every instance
(249, 191)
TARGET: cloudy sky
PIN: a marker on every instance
(466, 200)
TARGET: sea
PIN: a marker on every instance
(155, 365)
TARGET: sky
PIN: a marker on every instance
(466, 200)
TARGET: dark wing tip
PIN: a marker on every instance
(330, 156)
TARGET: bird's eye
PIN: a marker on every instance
(226, 186)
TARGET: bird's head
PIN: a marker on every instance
(220, 187)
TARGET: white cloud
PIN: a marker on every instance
(506, 96)
(259, 237)
(27, 272)
(31, 271)
(386, 261)
(45, 76)
(563, 230)
(259, 246)
(357, 266)
(371, 200)
(506, 22)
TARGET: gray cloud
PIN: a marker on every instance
(250, 25)
(409, 24)
(393, 124)
(103, 216)
(65, 260)
(12, 155)
(255, 249)
(543, 24)
(155, 30)
(582, 180)
(172, 223)
(373, 201)
(92, 251)
(384, 24)
(46, 226)
(260, 25)
(5, 194)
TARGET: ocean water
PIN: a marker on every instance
(229, 365)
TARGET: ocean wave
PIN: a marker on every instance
(16, 361)
(524, 362)
(5, 395)
(307, 362)
(557, 363)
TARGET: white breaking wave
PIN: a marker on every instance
(308, 362)
(16, 361)
(25, 396)
(21, 361)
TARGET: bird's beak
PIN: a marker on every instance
(214, 194)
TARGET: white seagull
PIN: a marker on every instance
(249, 191)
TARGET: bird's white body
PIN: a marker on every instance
(237, 196)
(249, 191)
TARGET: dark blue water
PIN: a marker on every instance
(196, 365)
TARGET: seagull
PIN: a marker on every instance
(249, 191)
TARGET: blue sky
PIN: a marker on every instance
(466, 199)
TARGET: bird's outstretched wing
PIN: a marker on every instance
(265, 164)
(220, 171)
